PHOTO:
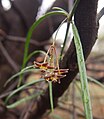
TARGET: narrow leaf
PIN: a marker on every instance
(21, 88)
(34, 53)
(23, 100)
(95, 81)
(25, 70)
(82, 72)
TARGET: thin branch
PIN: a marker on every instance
(19, 13)
(78, 113)
(73, 100)
(100, 14)
(5, 94)
(9, 59)
(23, 39)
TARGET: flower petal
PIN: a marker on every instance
(61, 76)
(50, 67)
(61, 71)
(41, 65)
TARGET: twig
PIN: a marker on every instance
(73, 100)
(5, 94)
(27, 112)
(23, 39)
(96, 59)
(12, 85)
(95, 70)
(9, 59)
(19, 13)
(100, 14)
(79, 114)
(70, 103)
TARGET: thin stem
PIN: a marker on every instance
(100, 14)
(51, 95)
(57, 62)
(68, 25)
(73, 100)
(73, 10)
(47, 54)
(8, 57)
(66, 35)
(54, 39)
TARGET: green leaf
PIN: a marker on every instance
(95, 81)
(60, 9)
(34, 53)
(21, 88)
(82, 72)
(23, 100)
(25, 70)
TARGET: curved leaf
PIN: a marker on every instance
(23, 100)
(21, 88)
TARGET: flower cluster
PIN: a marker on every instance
(50, 67)
(50, 73)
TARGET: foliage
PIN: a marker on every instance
(50, 67)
